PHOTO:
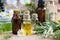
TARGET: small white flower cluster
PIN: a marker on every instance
(7, 13)
(21, 33)
(48, 33)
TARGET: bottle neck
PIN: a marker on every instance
(27, 20)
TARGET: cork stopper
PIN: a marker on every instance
(27, 12)
(34, 15)
(16, 12)
(51, 2)
(26, 16)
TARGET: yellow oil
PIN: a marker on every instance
(27, 27)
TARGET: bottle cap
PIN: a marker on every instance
(16, 11)
(27, 12)
(26, 16)
(34, 15)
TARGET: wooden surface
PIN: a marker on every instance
(30, 37)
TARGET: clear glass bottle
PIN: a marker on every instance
(27, 24)
(34, 19)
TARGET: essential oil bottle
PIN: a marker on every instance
(27, 25)
(16, 22)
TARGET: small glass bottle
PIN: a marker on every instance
(35, 16)
(27, 24)
(16, 22)
(34, 19)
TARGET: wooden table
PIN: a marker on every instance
(30, 37)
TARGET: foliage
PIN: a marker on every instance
(38, 29)
(46, 26)
(52, 24)
(48, 33)
(8, 36)
(31, 6)
(21, 11)
(5, 27)
(57, 35)
(1, 31)
(43, 28)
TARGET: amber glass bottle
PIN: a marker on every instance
(43, 15)
(41, 11)
(16, 22)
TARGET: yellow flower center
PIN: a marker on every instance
(21, 33)
(58, 22)
(50, 31)
(2, 13)
(9, 14)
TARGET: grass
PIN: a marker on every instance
(1, 31)
(5, 27)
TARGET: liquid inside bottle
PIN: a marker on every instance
(27, 27)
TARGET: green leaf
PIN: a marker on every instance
(57, 35)
(1, 31)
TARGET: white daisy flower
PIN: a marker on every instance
(21, 33)
(2, 13)
(50, 30)
(9, 13)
